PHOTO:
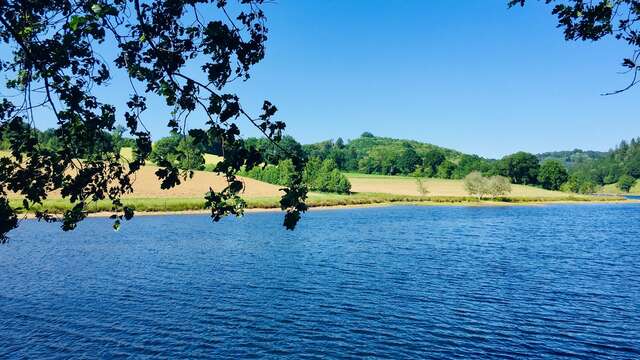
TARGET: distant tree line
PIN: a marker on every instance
(620, 166)
(318, 175)
(106, 142)
(183, 151)
(572, 171)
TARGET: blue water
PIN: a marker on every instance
(398, 282)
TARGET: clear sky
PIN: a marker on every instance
(471, 75)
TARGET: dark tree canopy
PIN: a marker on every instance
(552, 175)
(596, 19)
(53, 61)
(626, 182)
(520, 168)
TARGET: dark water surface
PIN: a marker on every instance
(398, 282)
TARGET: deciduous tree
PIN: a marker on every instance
(521, 168)
(625, 183)
(476, 184)
(552, 175)
(57, 54)
(498, 186)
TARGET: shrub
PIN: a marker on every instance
(625, 183)
(498, 186)
(476, 184)
(579, 184)
(327, 178)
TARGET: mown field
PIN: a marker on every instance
(367, 189)
(404, 185)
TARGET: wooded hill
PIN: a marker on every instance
(576, 171)
(571, 158)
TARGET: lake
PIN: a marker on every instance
(395, 282)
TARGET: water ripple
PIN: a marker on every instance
(403, 282)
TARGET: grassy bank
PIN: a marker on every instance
(315, 200)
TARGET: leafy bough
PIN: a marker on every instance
(54, 67)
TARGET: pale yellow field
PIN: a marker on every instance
(210, 159)
(126, 153)
(146, 185)
(435, 187)
(613, 189)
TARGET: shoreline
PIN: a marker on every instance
(488, 203)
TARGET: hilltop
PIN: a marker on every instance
(571, 158)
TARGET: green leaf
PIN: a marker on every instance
(97, 9)
(76, 21)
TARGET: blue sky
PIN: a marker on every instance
(470, 75)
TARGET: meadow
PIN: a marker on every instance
(366, 190)
(406, 185)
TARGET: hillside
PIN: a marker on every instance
(572, 158)
(371, 154)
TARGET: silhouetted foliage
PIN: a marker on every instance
(179, 151)
(52, 61)
(274, 152)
